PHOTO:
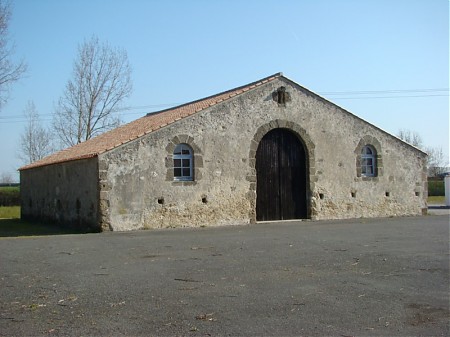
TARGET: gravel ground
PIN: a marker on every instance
(365, 277)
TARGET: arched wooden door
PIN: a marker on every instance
(281, 177)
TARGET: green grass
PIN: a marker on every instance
(436, 199)
(9, 212)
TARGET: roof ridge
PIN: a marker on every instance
(137, 128)
(261, 81)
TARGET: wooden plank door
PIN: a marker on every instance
(268, 178)
(281, 177)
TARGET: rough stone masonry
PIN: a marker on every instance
(129, 179)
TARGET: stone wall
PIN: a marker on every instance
(138, 190)
(64, 193)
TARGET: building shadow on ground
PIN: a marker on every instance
(19, 228)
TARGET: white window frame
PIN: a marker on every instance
(184, 154)
(368, 161)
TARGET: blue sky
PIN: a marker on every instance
(184, 50)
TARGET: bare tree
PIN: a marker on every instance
(36, 141)
(101, 81)
(411, 137)
(436, 160)
(6, 178)
(10, 71)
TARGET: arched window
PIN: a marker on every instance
(368, 161)
(183, 164)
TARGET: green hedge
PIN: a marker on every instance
(9, 196)
(436, 188)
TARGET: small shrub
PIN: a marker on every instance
(9, 196)
(436, 188)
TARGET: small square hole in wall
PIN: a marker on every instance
(321, 196)
(161, 201)
(204, 200)
(353, 194)
(417, 194)
(388, 194)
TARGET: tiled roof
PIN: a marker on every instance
(142, 126)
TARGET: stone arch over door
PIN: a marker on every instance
(290, 135)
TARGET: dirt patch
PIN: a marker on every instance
(426, 314)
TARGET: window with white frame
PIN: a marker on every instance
(183, 163)
(368, 161)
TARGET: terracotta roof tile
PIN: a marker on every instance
(144, 125)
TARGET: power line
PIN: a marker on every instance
(48, 116)
(141, 107)
(394, 91)
(361, 95)
(379, 97)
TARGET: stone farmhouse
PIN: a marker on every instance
(269, 150)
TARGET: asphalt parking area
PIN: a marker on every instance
(365, 277)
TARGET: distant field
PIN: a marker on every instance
(9, 189)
